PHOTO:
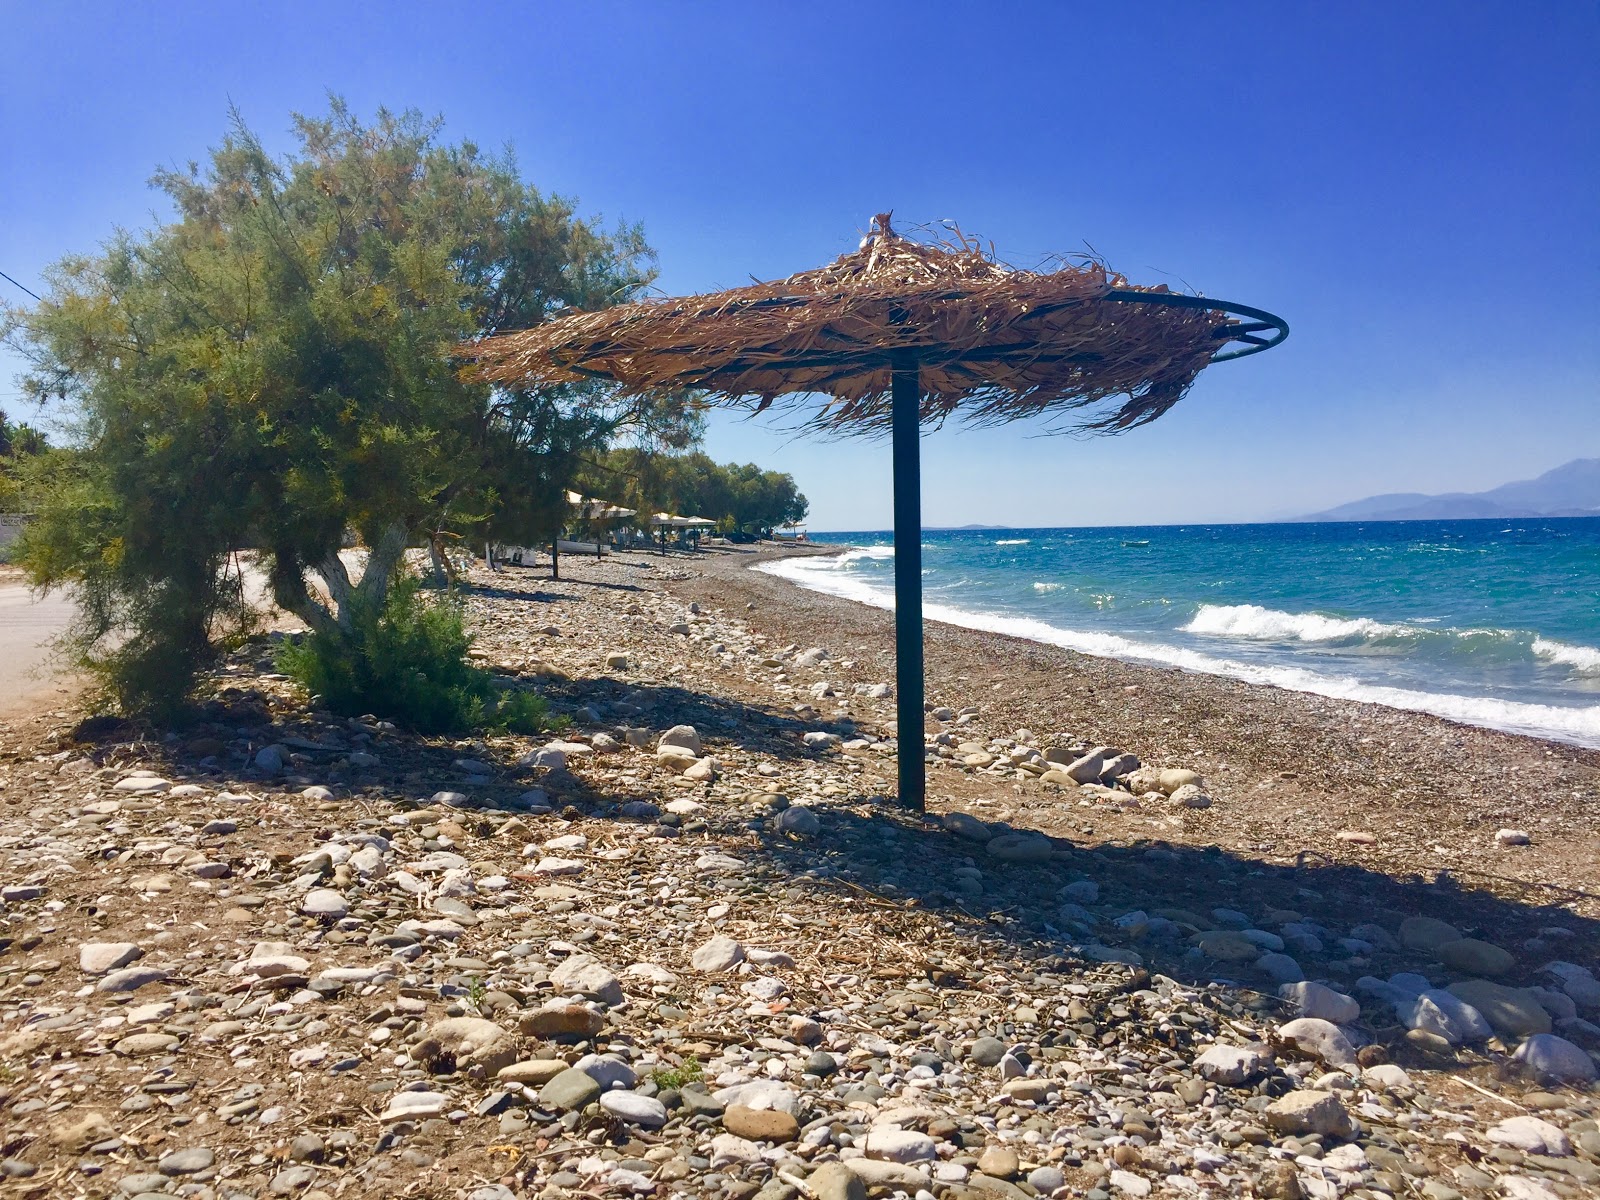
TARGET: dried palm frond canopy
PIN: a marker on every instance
(898, 335)
(992, 343)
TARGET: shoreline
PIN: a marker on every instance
(1570, 724)
(1291, 771)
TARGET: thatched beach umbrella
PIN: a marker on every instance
(897, 335)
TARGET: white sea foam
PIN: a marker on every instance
(1585, 660)
(1043, 586)
(1577, 724)
(1268, 624)
(1013, 541)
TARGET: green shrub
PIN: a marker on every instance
(407, 661)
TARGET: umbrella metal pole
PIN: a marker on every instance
(906, 398)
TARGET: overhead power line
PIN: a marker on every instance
(15, 284)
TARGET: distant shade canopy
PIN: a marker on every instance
(992, 343)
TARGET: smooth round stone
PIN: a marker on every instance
(1046, 1179)
(987, 1051)
(1475, 957)
(291, 1179)
(189, 1161)
(138, 1045)
(821, 1063)
(636, 1109)
(760, 1124)
(325, 903)
(570, 1089)
(999, 1162)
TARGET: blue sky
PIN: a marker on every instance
(1413, 186)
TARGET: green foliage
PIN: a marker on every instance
(21, 448)
(735, 496)
(272, 368)
(689, 1071)
(407, 661)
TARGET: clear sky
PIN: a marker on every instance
(1415, 187)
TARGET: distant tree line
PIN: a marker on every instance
(739, 497)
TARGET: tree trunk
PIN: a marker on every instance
(555, 560)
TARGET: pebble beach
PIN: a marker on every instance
(1159, 933)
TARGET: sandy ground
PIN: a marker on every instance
(27, 626)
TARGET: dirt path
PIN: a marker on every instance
(27, 627)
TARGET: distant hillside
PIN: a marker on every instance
(1572, 490)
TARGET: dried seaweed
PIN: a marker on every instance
(994, 343)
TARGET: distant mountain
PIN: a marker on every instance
(1572, 490)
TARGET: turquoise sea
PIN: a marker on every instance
(1494, 623)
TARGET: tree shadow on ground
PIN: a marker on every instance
(769, 731)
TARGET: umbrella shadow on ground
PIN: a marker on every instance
(1181, 891)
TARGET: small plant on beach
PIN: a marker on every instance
(408, 660)
(476, 991)
(674, 1078)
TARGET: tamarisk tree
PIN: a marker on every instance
(272, 369)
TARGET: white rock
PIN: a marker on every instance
(760, 1094)
(1086, 769)
(634, 1108)
(1319, 1000)
(408, 1106)
(1524, 1187)
(1230, 1065)
(900, 1145)
(1531, 1136)
(324, 902)
(651, 973)
(1548, 1056)
(1130, 1184)
(1321, 1038)
(682, 736)
(728, 1148)
(1385, 1077)
(557, 866)
(1440, 1012)
(1512, 837)
(96, 958)
(1190, 796)
(141, 785)
(702, 770)
(582, 975)
(719, 954)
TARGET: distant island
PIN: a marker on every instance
(1571, 490)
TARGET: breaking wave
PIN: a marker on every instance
(1585, 660)
(1268, 624)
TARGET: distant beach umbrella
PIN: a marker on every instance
(896, 335)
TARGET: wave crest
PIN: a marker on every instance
(1585, 660)
(1254, 622)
